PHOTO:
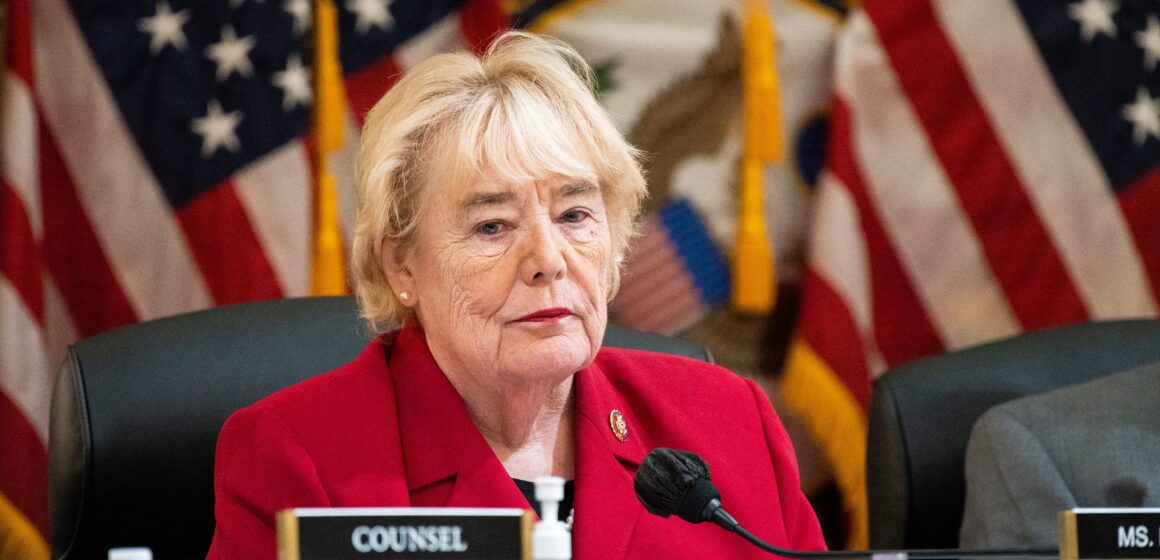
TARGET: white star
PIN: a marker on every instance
(370, 13)
(1149, 40)
(231, 54)
(164, 28)
(300, 10)
(217, 129)
(295, 84)
(1094, 17)
(1144, 114)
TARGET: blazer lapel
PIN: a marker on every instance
(606, 508)
(448, 462)
(483, 482)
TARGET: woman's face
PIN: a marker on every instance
(509, 280)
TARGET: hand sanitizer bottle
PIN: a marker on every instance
(551, 540)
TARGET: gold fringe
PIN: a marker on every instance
(838, 423)
(754, 278)
(328, 270)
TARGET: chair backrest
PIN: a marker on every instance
(921, 416)
(136, 412)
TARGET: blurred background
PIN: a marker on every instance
(836, 188)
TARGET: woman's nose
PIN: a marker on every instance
(544, 256)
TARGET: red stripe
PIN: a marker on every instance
(20, 40)
(19, 257)
(365, 88)
(23, 465)
(1021, 253)
(902, 329)
(72, 253)
(1141, 207)
(227, 250)
(831, 331)
(481, 21)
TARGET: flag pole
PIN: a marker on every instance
(328, 271)
(754, 283)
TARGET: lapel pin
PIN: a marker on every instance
(619, 425)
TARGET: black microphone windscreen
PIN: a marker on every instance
(667, 483)
(694, 508)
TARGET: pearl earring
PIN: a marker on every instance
(405, 295)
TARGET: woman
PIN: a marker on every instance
(496, 198)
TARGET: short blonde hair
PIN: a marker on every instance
(524, 110)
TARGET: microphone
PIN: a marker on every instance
(673, 481)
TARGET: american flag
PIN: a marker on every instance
(154, 159)
(991, 170)
(674, 274)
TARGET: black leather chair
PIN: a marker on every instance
(921, 416)
(136, 413)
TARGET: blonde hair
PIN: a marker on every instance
(524, 110)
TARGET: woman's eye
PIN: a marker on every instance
(574, 216)
(490, 228)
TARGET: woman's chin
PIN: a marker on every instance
(562, 354)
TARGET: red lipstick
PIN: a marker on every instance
(545, 315)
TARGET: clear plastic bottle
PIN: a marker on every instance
(551, 539)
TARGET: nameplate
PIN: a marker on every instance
(404, 533)
(1109, 533)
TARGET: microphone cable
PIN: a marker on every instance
(919, 553)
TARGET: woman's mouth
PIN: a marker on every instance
(549, 315)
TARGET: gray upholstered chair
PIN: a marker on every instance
(136, 413)
(921, 416)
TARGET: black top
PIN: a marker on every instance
(528, 489)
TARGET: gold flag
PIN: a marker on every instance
(754, 285)
(328, 270)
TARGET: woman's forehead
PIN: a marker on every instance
(510, 165)
(489, 189)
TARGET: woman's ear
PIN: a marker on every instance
(394, 259)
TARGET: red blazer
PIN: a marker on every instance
(389, 429)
